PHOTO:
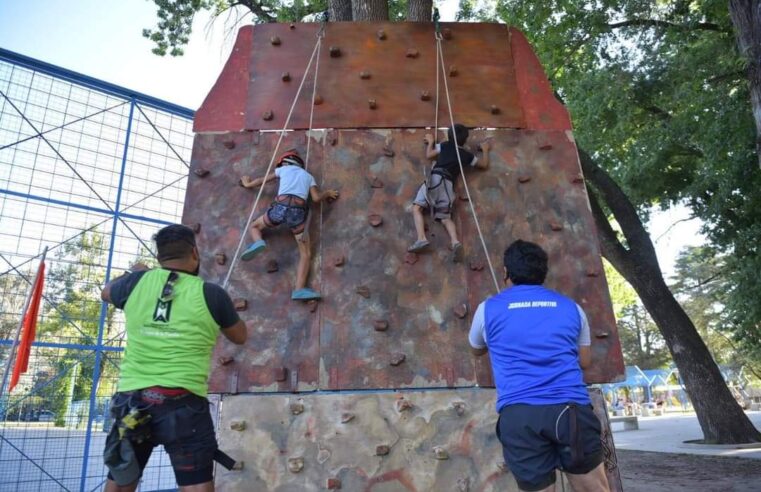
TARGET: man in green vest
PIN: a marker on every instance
(173, 320)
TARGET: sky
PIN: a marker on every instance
(103, 39)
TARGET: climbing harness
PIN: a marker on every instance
(440, 65)
(315, 54)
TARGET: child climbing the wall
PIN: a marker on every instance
(437, 193)
(291, 207)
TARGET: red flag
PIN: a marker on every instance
(28, 328)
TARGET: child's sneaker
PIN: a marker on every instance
(457, 253)
(253, 249)
(305, 294)
(418, 246)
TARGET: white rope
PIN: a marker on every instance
(459, 160)
(269, 167)
(314, 93)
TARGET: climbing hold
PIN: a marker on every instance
(403, 404)
(296, 408)
(333, 484)
(286, 77)
(388, 152)
(312, 305)
(397, 359)
(323, 455)
(412, 53)
(463, 484)
(453, 71)
(201, 172)
(196, 227)
(364, 75)
(229, 144)
(463, 197)
(292, 25)
(461, 311)
(459, 408)
(225, 360)
(556, 226)
(578, 178)
(317, 100)
(332, 139)
(272, 266)
(238, 425)
(440, 453)
(382, 450)
(339, 261)
(502, 466)
(275, 41)
(335, 51)
(376, 183)
(364, 291)
(380, 325)
(592, 272)
(545, 147)
(410, 258)
(476, 265)
(280, 374)
(347, 417)
(524, 179)
(494, 109)
(295, 465)
(425, 96)
(267, 115)
(372, 103)
(446, 33)
(238, 466)
(602, 334)
(240, 304)
(220, 258)
(375, 220)
(381, 34)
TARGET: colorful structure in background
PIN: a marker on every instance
(375, 384)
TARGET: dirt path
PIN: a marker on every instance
(643, 471)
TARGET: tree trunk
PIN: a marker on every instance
(370, 10)
(746, 16)
(340, 10)
(720, 417)
(419, 10)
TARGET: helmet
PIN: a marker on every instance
(291, 157)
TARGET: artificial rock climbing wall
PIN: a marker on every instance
(389, 320)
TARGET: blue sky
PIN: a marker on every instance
(103, 39)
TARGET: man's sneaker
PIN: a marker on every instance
(305, 294)
(253, 249)
(457, 253)
(418, 246)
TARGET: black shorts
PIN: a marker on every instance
(537, 440)
(184, 427)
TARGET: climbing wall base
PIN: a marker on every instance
(440, 440)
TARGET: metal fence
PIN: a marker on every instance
(90, 170)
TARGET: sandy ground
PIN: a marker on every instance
(643, 471)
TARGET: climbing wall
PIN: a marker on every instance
(385, 394)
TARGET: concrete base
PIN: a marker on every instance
(381, 441)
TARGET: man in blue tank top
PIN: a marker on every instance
(538, 341)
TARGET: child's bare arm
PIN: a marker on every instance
(483, 162)
(247, 182)
(430, 151)
(318, 196)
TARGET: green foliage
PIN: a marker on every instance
(175, 17)
(659, 97)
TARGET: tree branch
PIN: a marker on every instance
(700, 26)
(256, 8)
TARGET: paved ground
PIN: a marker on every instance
(666, 434)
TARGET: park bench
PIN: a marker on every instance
(630, 422)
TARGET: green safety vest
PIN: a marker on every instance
(168, 343)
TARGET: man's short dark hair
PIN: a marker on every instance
(174, 242)
(526, 263)
(462, 134)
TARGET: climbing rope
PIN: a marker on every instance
(315, 52)
(440, 62)
(320, 35)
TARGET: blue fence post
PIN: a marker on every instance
(104, 307)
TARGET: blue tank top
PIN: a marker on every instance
(532, 334)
